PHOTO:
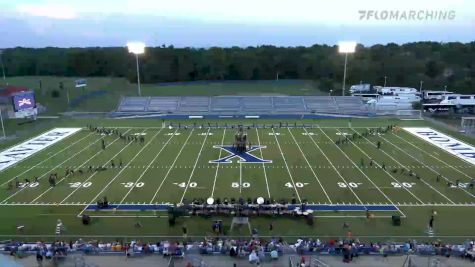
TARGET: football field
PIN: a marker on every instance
(285, 164)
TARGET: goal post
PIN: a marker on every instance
(409, 114)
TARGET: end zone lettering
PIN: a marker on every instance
(13, 155)
(447, 143)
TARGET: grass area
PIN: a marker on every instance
(174, 166)
(117, 87)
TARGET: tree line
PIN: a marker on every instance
(437, 64)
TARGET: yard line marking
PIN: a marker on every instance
(32, 167)
(171, 167)
(428, 167)
(94, 174)
(380, 165)
(118, 174)
(288, 170)
(76, 167)
(39, 178)
(143, 173)
(263, 165)
(217, 167)
(240, 178)
(331, 163)
(364, 174)
(194, 167)
(308, 163)
(448, 165)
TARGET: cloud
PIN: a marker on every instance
(54, 11)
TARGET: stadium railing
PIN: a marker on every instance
(222, 246)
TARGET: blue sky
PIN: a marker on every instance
(205, 23)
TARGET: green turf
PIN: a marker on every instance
(173, 166)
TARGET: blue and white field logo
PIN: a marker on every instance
(244, 157)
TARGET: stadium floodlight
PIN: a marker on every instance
(346, 47)
(137, 48)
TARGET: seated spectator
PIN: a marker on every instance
(274, 254)
(232, 252)
(253, 258)
(49, 254)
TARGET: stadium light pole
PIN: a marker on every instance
(3, 128)
(346, 47)
(137, 48)
(3, 67)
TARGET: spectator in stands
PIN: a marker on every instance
(49, 254)
(253, 258)
(233, 252)
(39, 258)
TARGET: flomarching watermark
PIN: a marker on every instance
(407, 15)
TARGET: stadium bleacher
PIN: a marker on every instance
(244, 105)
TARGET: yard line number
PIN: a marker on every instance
(183, 184)
(23, 185)
(133, 184)
(243, 185)
(297, 184)
(79, 184)
(400, 185)
(350, 184)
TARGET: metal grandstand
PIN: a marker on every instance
(243, 105)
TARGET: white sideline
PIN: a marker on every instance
(263, 164)
(118, 174)
(34, 166)
(194, 166)
(310, 166)
(397, 162)
(217, 167)
(148, 166)
(171, 167)
(364, 174)
(331, 163)
(287, 166)
(50, 188)
(425, 165)
(39, 178)
(94, 174)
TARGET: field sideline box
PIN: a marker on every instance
(15, 154)
(449, 144)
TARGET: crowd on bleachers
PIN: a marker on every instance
(252, 247)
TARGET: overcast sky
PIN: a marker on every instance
(205, 23)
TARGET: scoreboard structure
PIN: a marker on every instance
(24, 105)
